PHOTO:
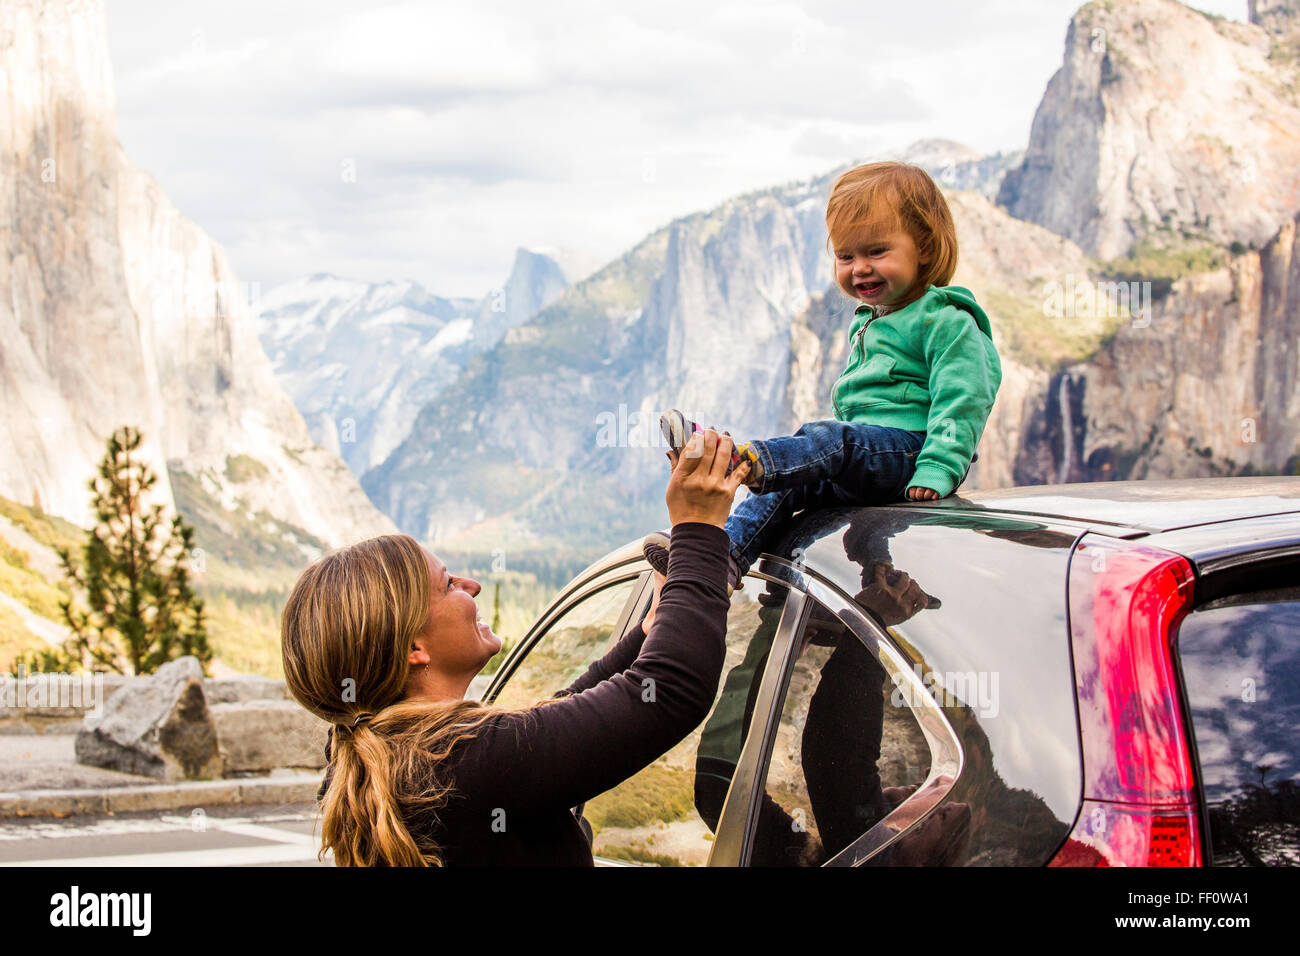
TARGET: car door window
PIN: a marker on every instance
(1240, 660)
(667, 814)
(580, 635)
(846, 752)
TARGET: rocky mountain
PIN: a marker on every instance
(551, 438)
(117, 309)
(1208, 388)
(360, 359)
(1141, 334)
(957, 166)
(1165, 124)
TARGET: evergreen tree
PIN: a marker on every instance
(140, 611)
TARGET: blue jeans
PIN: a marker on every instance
(826, 464)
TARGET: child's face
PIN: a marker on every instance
(878, 266)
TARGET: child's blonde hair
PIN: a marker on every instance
(896, 197)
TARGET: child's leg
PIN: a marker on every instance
(824, 464)
(759, 518)
(871, 462)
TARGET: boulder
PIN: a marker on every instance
(261, 735)
(158, 726)
(228, 690)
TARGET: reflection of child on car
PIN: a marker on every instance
(918, 387)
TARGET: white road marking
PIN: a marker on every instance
(113, 826)
(287, 846)
(233, 856)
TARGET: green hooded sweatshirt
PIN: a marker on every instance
(932, 367)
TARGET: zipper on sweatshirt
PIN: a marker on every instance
(871, 317)
(852, 367)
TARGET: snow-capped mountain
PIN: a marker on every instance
(361, 359)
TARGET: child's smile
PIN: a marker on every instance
(878, 268)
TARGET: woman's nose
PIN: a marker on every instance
(473, 587)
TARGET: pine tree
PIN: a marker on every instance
(140, 611)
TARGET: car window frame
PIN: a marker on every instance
(733, 840)
(570, 598)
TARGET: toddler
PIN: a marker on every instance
(918, 386)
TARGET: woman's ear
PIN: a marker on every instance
(418, 656)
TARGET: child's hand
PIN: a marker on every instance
(922, 494)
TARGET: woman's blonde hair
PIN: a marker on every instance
(896, 196)
(346, 631)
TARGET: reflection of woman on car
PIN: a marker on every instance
(841, 742)
(381, 641)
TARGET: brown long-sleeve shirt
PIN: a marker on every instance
(515, 782)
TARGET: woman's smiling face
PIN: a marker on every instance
(878, 266)
(456, 641)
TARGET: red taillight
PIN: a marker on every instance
(1126, 602)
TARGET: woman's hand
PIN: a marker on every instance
(700, 488)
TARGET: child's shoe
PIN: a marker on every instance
(677, 430)
(655, 547)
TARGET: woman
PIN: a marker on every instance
(382, 642)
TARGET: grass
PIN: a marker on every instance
(657, 793)
(50, 530)
(243, 601)
(242, 468)
(16, 642)
(1026, 330)
(1163, 261)
(27, 586)
(633, 853)
(18, 580)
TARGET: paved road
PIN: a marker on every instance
(226, 836)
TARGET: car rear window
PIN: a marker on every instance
(1240, 661)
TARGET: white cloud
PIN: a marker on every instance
(475, 128)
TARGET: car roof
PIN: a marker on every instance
(1131, 508)
(1126, 509)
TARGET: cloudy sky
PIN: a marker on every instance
(428, 140)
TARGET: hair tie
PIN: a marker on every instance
(360, 717)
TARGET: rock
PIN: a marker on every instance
(153, 325)
(261, 735)
(246, 687)
(157, 726)
(1164, 121)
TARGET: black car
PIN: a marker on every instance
(1089, 674)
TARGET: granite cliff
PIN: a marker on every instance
(117, 309)
(1167, 125)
